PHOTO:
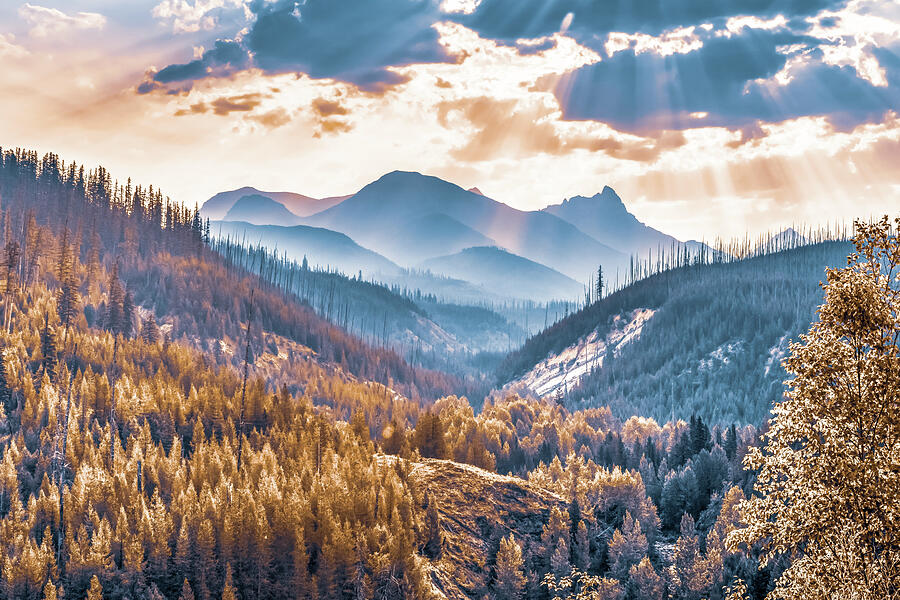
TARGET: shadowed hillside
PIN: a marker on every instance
(713, 345)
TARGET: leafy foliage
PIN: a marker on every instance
(829, 472)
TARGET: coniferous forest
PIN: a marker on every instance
(180, 422)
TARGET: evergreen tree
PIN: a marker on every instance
(228, 591)
(599, 290)
(730, 445)
(95, 591)
(627, 547)
(689, 576)
(434, 539)
(150, 330)
(115, 312)
(430, 436)
(67, 302)
(509, 579)
(50, 591)
(644, 583)
(127, 314)
(186, 592)
(48, 350)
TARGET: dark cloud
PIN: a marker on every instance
(351, 40)
(591, 19)
(226, 56)
(224, 105)
(359, 40)
(639, 92)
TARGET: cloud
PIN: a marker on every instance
(358, 41)
(187, 17)
(272, 119)
(516, 128)
(755, 74)
(245, 103)
(50, 21)
(327, 108)
(225, 105)
(225, 58)
(9, 48)
(591, 21)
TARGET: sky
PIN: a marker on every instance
(708, 118)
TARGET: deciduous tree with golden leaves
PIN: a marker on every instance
(828, 489)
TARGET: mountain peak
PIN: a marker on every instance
(608, 198)
(260, 210)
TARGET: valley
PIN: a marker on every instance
(234, 422)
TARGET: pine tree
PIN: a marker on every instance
(228, 591)
(730, 445)
(434, 539)
(509, 579)
(115, 313)
(581, 549)
(688, 573)
(48, 350)
(50, 591)
(186, 592)
(95, 591)
(150, 330)
(67, 302)
(599, 290)
(127, 314)
(644, 583)
(627, 547)
(12, 258)
(6, 393)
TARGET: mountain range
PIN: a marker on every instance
(218, 206)
(406, 220)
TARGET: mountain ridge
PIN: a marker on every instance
(257, 209)
(216, 207)
(401, 196)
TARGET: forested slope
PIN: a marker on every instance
(135, 465)
(157, 248)
(714, 345)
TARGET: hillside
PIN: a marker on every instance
(712, 346)
(217, 206)
(504, 274)
(418, 326)
(171, 273)
(472, 530)
(260, 210)
(399, 199)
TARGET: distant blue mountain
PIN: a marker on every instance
(261, 210)
(605, 218)
(505, 274)
(218, 206)
(400, 200)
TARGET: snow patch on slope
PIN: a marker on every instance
(721, 356)
(776, 353)
(563, 371)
